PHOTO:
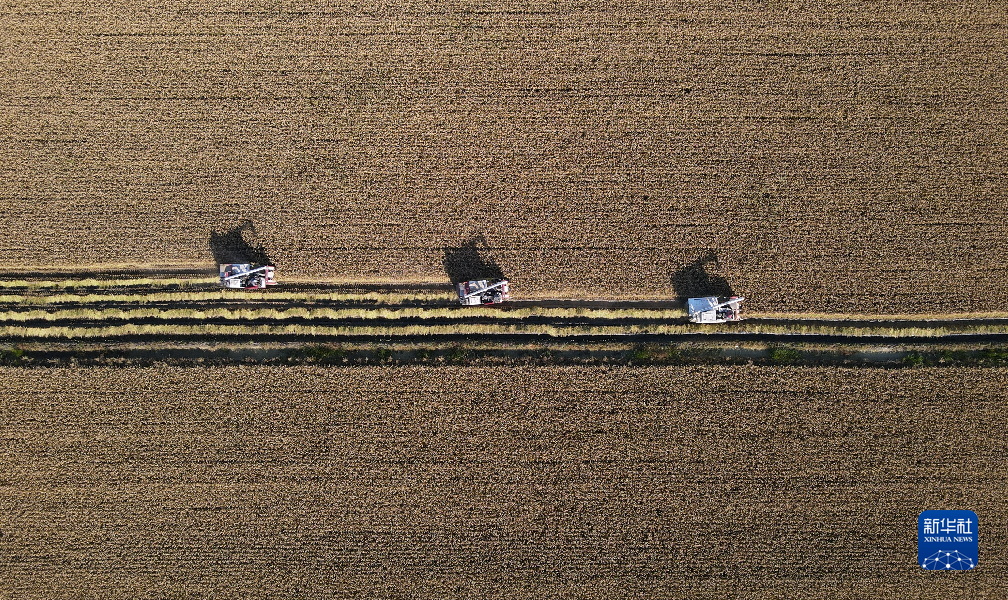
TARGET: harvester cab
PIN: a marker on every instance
(483, 291)
(247, 276)
(714, 310)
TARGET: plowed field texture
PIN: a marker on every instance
(682, 482)
(833, 156)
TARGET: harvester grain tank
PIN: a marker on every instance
(483, 291)
(247, 276)
(714, 310)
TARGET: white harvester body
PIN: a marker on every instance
(246, 276)
(714, 310)
(483, 291)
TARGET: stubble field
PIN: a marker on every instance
(833, 156)
(419, 481)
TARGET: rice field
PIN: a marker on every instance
(839, 164)
(700, 482)
(825, 157)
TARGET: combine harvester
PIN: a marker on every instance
(714, 310)
(247, 276)
(483, 291)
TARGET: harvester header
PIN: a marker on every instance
(483, 291)
(714, 310)
(247, 276)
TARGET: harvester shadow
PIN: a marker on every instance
(699, 279)
(470, 261)
(236, 246)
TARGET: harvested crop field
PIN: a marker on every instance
(845, 157)
(415, 481)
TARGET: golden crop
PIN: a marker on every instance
(841, 158)
(258, 480)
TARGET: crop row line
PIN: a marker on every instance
(224, 295)
(243, 314)
(104, 283)
(399, 301)
(385, 328)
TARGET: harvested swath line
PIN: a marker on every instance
(90, 273)
(273, 296)
(30, 284)
(434, 316)
(176, 299)
(363, 287)
(248, 310)
(336, 314)
(430, 321)
(249, 304)
(412, 328)
(266, 331)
